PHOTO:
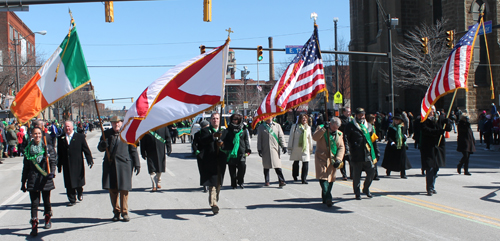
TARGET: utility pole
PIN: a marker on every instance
(271, 60)
(335, 20)
(244, 74)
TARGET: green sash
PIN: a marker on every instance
(399, 135)
(333, 144)
(270, 130)
(368, 139)
(158, 137)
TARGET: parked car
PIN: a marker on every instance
(106, 125)
(195, 127)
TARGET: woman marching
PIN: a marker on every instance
(300, 146)
(395, 158)
(37, 178)
(465, 143)
(237, 147)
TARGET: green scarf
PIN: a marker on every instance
(333, 144)
(34, 153)
(399, 135)
(303, 138)
(236, 143)
(368, 139)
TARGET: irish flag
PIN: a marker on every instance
(63, 73)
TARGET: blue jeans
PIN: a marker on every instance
(430, 178)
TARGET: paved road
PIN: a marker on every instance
(465, 208)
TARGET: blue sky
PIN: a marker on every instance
(169, 32)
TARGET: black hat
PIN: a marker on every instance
(360, 111)
(398, 116)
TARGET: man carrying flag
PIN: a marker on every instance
(451, 77)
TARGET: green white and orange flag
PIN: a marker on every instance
(63, 73)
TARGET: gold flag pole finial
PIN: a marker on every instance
(229, 33)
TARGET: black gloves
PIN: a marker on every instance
(51, 176)
(91, 164)
(137, 170)
(169, 152)
(248, 151)
(103, 145)
(284, 150)
(260, 153)
(59, 170)
(336, 164)
(23, 187)
(327, 125)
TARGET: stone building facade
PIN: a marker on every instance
(369, 33)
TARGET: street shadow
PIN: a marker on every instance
(395, 193)
(24, 232)
(489, 197)
(182, 155)
(304, 203)
(27, 206)
(174, 214)
(91, 192)
(191, 189)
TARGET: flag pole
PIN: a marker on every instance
(46, 153)
(448, 115)
(327, 129)
(100, 121)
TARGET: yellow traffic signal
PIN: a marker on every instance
(108, 11)
(450, 37)
(207, 10)
(259, 53)
(132, 99)
(112, 101)
(202, 49)
(425, 47)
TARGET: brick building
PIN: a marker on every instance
(369, 33)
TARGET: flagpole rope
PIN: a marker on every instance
(492, 88)
(72, 25)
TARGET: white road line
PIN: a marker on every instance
(23, 196)
(170, 173)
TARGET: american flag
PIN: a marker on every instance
(453, 74)
(259, 87)
(302, 80)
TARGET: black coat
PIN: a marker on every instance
(70, 158)
(196, 150)
(465, 140)
(357, 142)
(34, 180)
(117, 173)
(244, 147)
(431, 154)
(395, 159)
(212, 160)
(153, 150)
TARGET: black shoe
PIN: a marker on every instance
(215, 209)
(459, 169)
(404, 177)
(295, 179)
(358, 197)
(234, 187)
(241, 186)
(429, 193)
(116, 217)
(376, 178)
(126, 218)
(282, 184)
(344, 178)
(71, 204)
(388, 173)
(434, 192)
(305, 182)
(80, 197)
(329, 203)
(34, 227)
(368, 194)
(467, 173)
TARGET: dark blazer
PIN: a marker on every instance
(70, 158)
(431, 154)
(395, 159)
(34, 179)
(357, 142)
(465, 140)
(211, 160)
(153, 150)
(117, 173)
(229, 135)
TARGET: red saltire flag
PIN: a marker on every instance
(183, 92)
(453, 74)
(303, 79)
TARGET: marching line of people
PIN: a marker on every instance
(339, 141)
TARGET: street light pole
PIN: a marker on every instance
(391, 23)
(16, 43)
(335, 20)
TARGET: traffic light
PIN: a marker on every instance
(202, 49)
(425, 47)
(108, 11)
(113, 101)
(259, 53)
(450, 36)
(207, 10)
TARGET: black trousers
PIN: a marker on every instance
(358, 167)
(464, 161)
(279, 172)
(71, 193)
(35, 202)
(295, 170)
(343, 171)
(237, 172)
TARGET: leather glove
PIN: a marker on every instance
(59, 170)
(23, 187)
(284, 150)
(260, 153)
(336, 163)
(220, 143)
(217, 134)
(137, 170)
(169, 152)
(103, 145)
(91, 164)
(51, 176)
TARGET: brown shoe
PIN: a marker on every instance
(126, 218)
(159, 186)
(154, 189)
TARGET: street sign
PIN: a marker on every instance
(337, 98)
(245, 104)
(487, 25)
(293, 49)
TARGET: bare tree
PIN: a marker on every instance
(412, 68)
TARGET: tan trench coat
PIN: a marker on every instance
(267, 143)
(294, 149)
(324, 167)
